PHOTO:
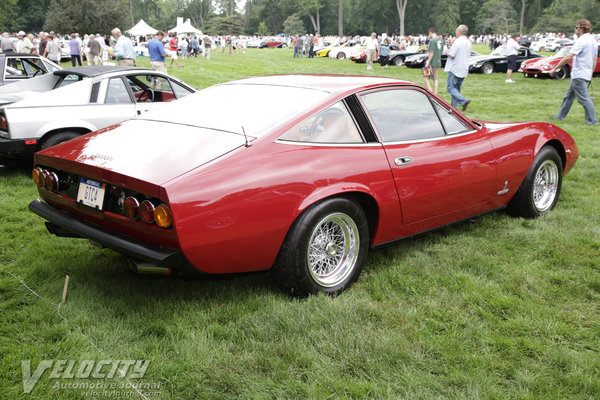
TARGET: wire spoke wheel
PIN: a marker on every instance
(333, 249)
(545, 186)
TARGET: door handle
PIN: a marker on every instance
(403, 160)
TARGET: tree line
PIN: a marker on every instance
(325, 17)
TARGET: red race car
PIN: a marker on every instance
(340, 164)
(540, 67)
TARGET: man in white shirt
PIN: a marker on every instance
(512, 49)
(585, 56)
(371, 45)
(457, 66)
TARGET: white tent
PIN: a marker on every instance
(141, 29)
(185, 27)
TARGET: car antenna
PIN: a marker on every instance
(248, 143)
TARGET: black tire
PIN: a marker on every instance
(341, 55)
(487, 68)
(57, 138)
(561, 73)
(540, 190)
(284, 46)
(398, 61)
(324, 249)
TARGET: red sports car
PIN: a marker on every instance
(540, 67)
(339, 165)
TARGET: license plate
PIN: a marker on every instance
(91, 193)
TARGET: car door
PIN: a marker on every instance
(115, 103)
(444, 169)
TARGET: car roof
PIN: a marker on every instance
(90, 71)
(329, 83)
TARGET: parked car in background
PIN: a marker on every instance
(540, 67)
(142, 49)
(324, 52)
(497, 62)
(397, 55)
(526, 40)
(418, 60)
(557, 44)
(277, 42)
(15, 67)
(345, 50)
(81, 100)
(339, 164)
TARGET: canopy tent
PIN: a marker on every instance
(141, 29)
(185, 27)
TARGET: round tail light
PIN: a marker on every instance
(162, 216)
(146, 212)
(43, 176)
(36, 174)
(51, 181)
(130, 207)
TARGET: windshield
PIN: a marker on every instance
(500, 51)
(563, 52)
(258, 108)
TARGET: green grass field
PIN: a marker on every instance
(497, 308)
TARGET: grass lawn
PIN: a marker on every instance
(499, 308)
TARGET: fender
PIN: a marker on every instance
(76, 124)
(334, 190)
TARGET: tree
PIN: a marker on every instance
(340, 17)
(498, 16)
(86, 16)
(262, 29)
(401, 6)
(293, 24)
(232, 25)
(312, 9)
(26, 15)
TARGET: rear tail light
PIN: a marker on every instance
(162, 216)
(51, 181)
(36, 174)
(3, 124)
(146, 212)
(43, 179)
(130, 207)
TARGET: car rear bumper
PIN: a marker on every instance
(14, 148)
(65, 225)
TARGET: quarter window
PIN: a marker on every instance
(451, 123)
(403, 115)
(117, 92)
(332, 125)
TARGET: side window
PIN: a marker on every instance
(403, 115)
(150, 88)
(179, 90)
(451, 123)
(332, 125)
(117, 92)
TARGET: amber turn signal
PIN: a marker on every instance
(162, 216)
(36, 174)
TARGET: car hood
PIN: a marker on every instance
(540, 62)
(151, 151)
(474, 60)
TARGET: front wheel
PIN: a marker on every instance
(398, 61)
(341, 55)
(284, 46)
(561, 73)
(324, 249)
(540, 190)
(487, 68)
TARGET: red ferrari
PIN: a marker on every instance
(339, 165)
(541, 67)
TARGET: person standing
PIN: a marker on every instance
(371, 49)
(173, 47)
(434, 60)
(457, 67)
(384, 53)
(123, 49)
(300, 42)
(207, 47)
(512, 49)
(75, 47)
(52, 51)
(195, 45)
(585, 56)
(8, 46)
(157, 52)
(95, 51)
(43, 42)
(295, 43)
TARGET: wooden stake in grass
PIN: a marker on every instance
(64, 296)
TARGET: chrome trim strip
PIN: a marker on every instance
(432, 139)
(289, 142)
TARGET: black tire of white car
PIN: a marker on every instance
(487, 68)
(540, 189)
(57, 138)
(324, 249)
(398, 61)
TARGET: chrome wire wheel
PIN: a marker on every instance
(545, 185)
(333, 249)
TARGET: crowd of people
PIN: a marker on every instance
(97, 49)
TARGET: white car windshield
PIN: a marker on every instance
(229, 107)
(500, 51)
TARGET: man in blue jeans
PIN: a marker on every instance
(457, 67)
(585, 56)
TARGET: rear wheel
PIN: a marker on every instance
(540, 190)
(398, 61)
(487, 68)
(341, 55)
(58, 138)
(324, 249)
(284, 46)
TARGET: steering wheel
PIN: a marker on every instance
(149, 95)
